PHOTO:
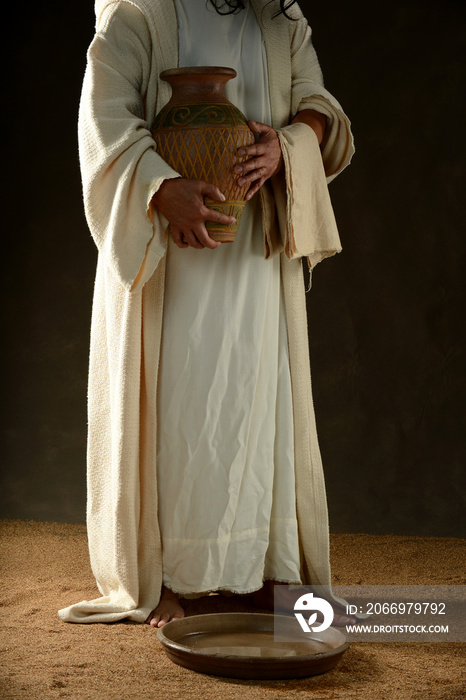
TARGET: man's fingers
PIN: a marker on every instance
(255, 149)
(257, 174)
(203, 237)
(211, 191)
(249, 165)
(254, 188)
(217, 217)
(198, 238)
(259, 127)
(177, 236)
(183, 204)
(252, 164)
(192, 240)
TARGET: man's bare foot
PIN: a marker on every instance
(285, 600)
(168, 609)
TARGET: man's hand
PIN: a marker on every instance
(264, 158)
(181, 201)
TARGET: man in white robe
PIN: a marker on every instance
(128, 209)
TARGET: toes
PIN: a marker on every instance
(149, 618)
(164, 619)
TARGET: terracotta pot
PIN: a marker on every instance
(198, 134)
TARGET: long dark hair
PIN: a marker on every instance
(238, 5)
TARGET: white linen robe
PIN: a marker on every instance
(121, 171)
(225, 465)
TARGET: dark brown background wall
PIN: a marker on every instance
(386, 315)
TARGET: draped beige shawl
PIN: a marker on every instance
(121, 171)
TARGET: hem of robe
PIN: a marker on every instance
(189, 595)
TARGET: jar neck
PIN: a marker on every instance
(203, 87)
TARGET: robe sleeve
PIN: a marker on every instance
(308, 92)
(308, 223)
(120, 168)
(304, 210)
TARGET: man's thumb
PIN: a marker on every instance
(258, 127)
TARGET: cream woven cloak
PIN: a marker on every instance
(121, 171)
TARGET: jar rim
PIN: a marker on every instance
(198, 70)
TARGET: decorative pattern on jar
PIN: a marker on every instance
(199, 132)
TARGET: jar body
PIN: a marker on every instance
(199, 132)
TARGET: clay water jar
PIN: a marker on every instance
(199, 132)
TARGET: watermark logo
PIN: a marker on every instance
(382, 613)
(309, 603)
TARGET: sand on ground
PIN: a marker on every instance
(45, 566)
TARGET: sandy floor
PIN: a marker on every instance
(45, 567)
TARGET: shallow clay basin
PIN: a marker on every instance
(241, 645)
